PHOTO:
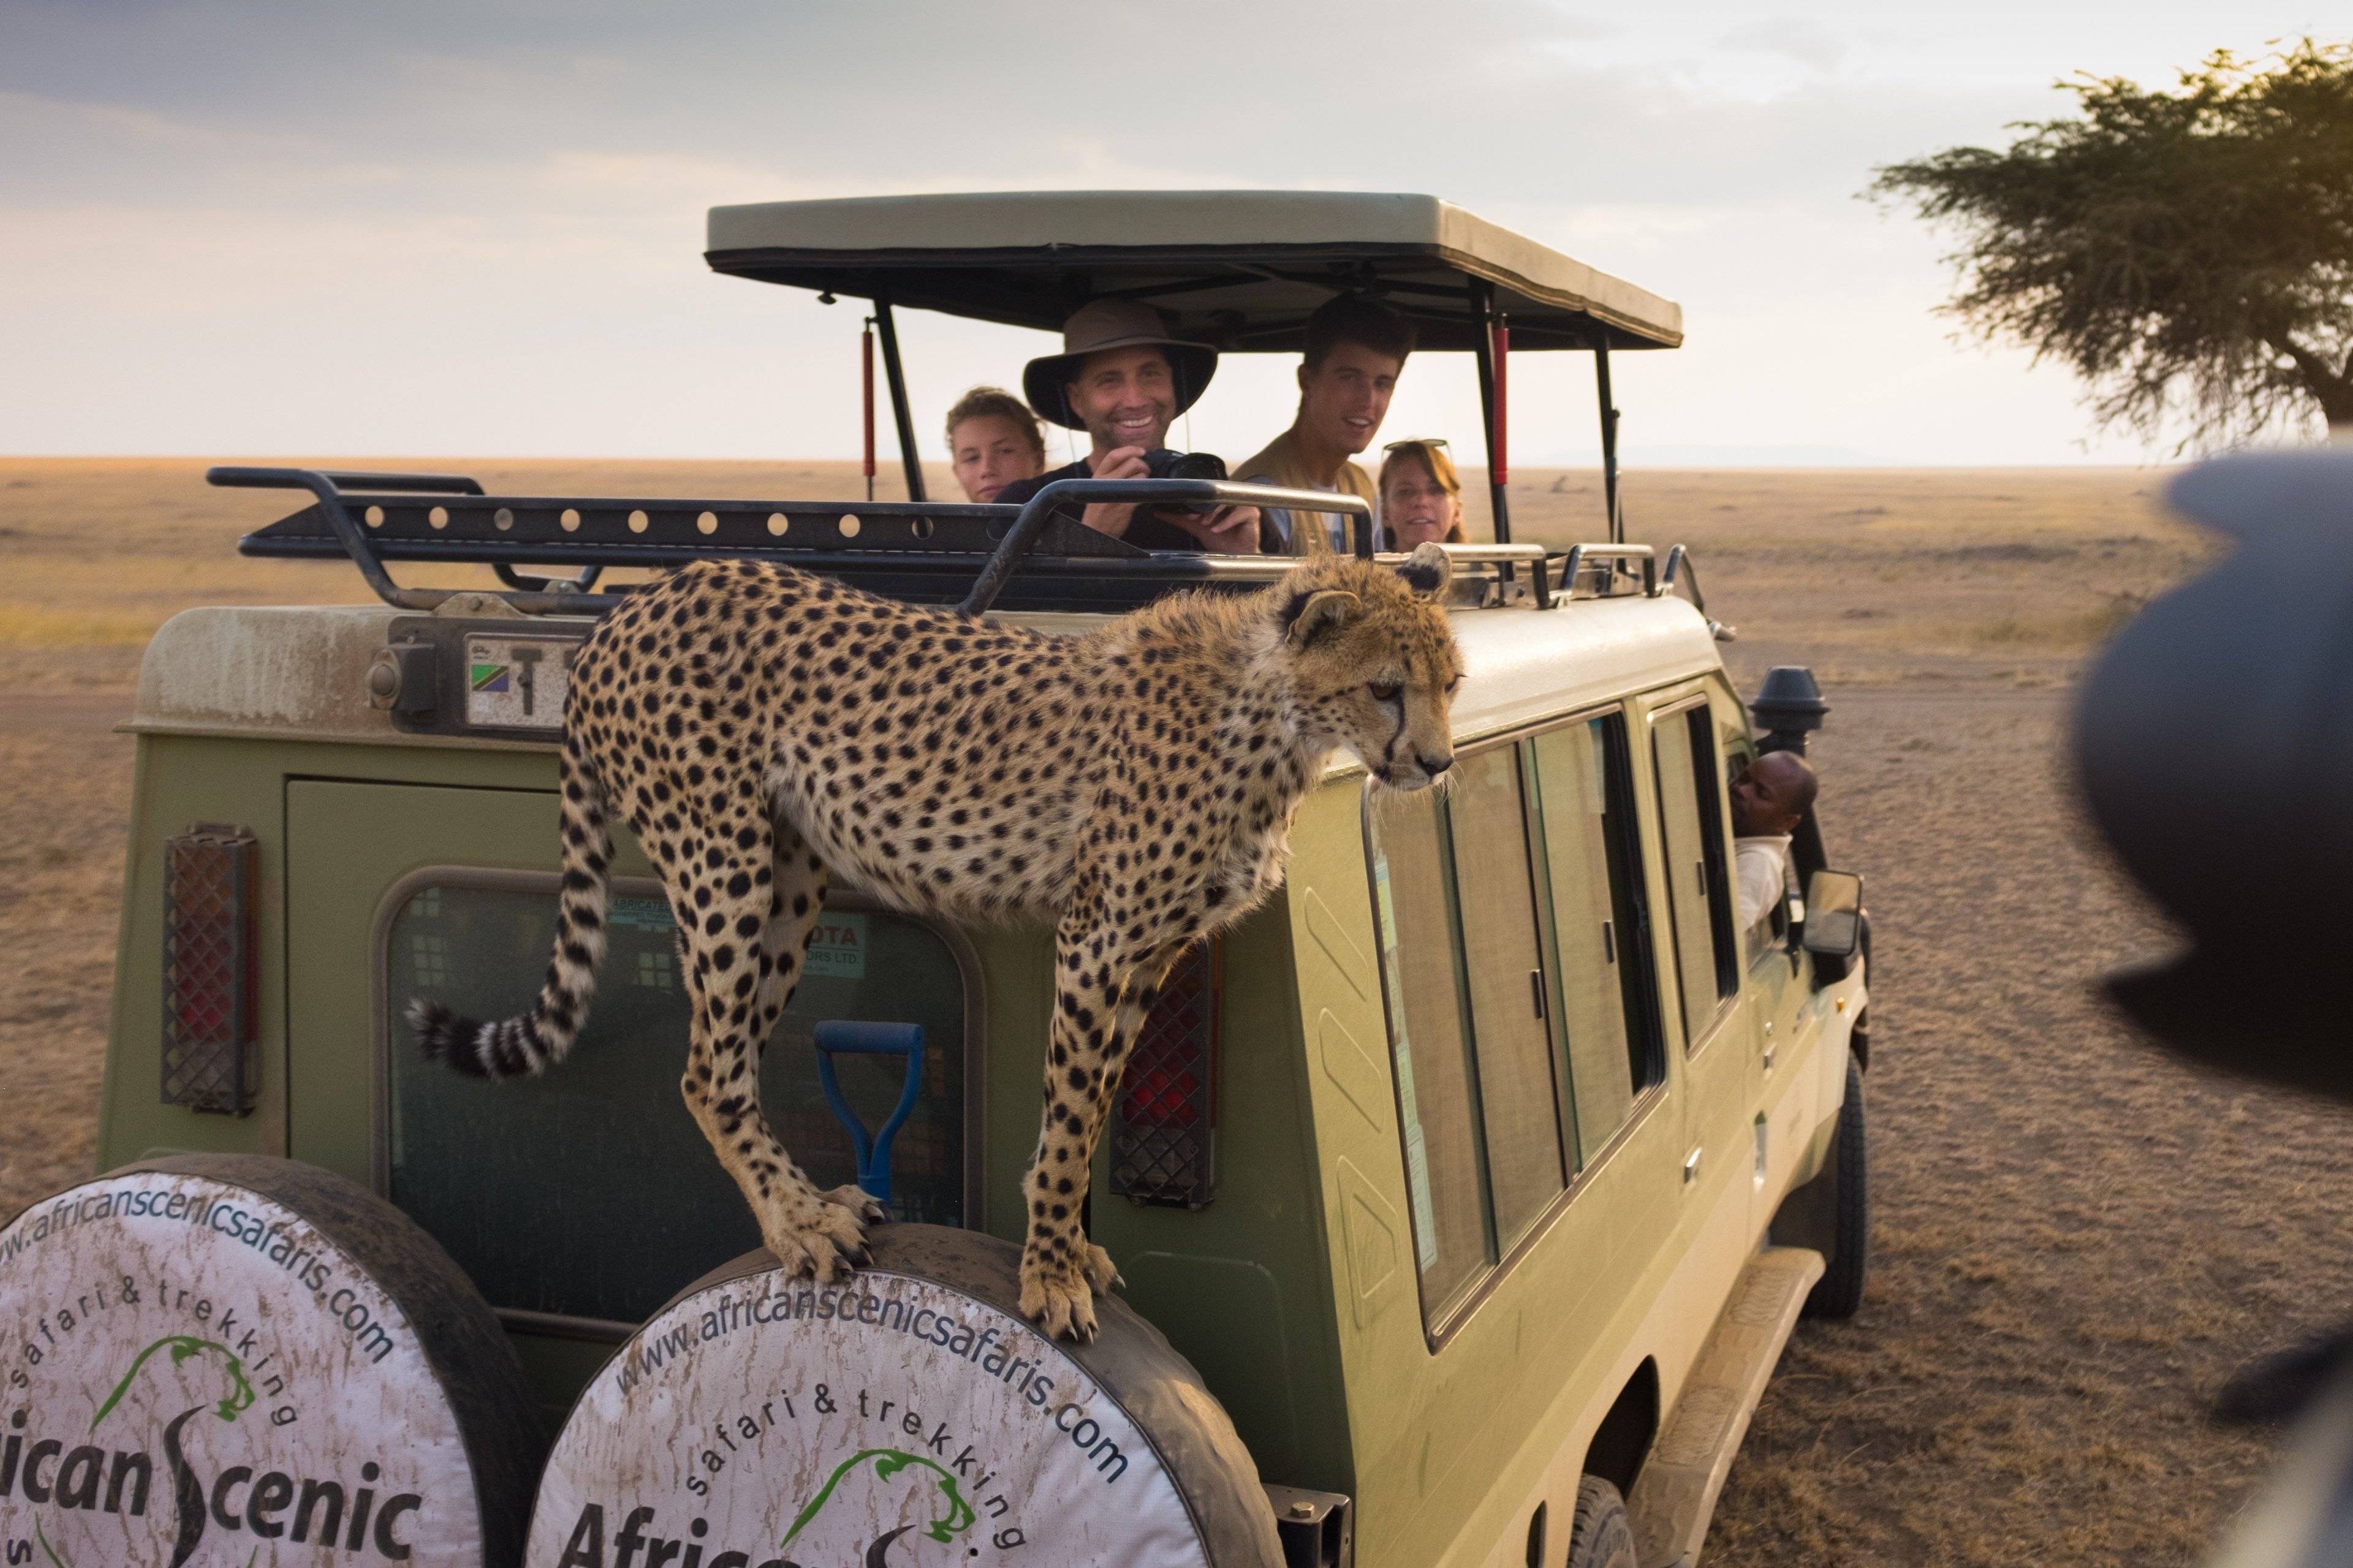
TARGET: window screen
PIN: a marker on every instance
(590, 1192)
(1699, 884)
(1437, 1090)
(1591, 860)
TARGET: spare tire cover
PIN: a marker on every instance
(906, 1416)
(216, 1358)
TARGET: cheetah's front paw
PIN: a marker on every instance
(859, 1202)
(816, 1237)
(1058, 1294)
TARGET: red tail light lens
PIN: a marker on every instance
(209, 978)
(1164, 1133)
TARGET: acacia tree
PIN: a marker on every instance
(2189, 252)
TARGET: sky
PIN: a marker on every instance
(454, 227)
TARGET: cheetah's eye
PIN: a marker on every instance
(1385, 693)
(1453, 684)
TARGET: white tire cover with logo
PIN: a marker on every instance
(907, 1416)
(232, 1359)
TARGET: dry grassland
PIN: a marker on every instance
(2077, 1239)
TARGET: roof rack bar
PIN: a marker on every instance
(1615, 557)
(1534, 556)
(234, 478)
(1034, 511)
(529, 585)
(324, 488)
(1680, 564)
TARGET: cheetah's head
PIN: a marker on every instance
(1372, 662)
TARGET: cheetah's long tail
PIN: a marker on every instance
(532, 1042)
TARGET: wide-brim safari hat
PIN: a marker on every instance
(1114, 324)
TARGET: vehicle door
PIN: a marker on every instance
(450, 893)
(1706, 1002)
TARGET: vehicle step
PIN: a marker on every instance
(1676, 1493)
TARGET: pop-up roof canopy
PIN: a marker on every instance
(1240, 269)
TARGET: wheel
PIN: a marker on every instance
(1839, 1292)
(1600, 1535)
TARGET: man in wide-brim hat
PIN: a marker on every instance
(1123, 378)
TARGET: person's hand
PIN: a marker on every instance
(1228, 530)
(1119, 463)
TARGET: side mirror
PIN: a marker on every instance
(1833, 914)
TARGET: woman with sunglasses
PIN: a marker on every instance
(1421, 496)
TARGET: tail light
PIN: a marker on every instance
(210, 1041)
(1165, 1133)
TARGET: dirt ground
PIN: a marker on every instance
(2076, 1239)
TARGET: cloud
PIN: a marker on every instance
(1808, 43)
(493, 209)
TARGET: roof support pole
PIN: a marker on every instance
(1609, 436)
(866, 379)
(889, 331)
(1482, 310)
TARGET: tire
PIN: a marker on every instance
(1600, 1536)
(1019, 1437)
(314, 1332)
(1837, 1294)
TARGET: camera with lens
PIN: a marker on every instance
(1160, 463)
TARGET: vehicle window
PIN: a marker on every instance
(1495, 890)
(526, 1182)
(1591, 861)
(1699, 885)
(1436, 1094)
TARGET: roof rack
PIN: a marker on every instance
(1031, 557)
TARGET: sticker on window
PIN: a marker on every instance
(838, 949)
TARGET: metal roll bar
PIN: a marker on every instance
(1167, 492)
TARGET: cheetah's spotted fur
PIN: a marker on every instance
(756, 726)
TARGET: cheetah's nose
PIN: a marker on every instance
(1434, 768)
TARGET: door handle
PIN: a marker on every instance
(1690, 1167)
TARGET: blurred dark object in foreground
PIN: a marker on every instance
(2280, 1386)
(2215, 745)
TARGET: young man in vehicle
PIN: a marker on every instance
(1123, 380)
(1357, 348)
(1767, 803)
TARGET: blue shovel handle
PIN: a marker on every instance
(856, 1037)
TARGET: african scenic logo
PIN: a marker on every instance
(889, 1462)
(319, 1505)
(235, 1393)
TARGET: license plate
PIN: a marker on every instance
(517, 683)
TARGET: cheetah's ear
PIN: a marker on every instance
(1309, 615)
(1427, 572)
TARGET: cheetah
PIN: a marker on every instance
(760, 729)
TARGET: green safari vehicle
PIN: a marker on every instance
(1475, 1183)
